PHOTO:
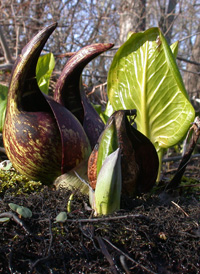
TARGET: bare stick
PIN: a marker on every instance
(123, 263)
(95, 220)
(128, 257)
(184, 212)
(6, 51)
(177, 158)
(49, 250)
(12, 216)
(180, 208)
(105, 252)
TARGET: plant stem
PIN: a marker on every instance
(160, 158)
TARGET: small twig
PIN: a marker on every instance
(48, 252)
(105, 252)
(106, 218)
(177, 158)
(195, 185)
(190, 71)
(188, 61)
(128, 257)
(6, 66)
(123, 263)
(183, 39)
(10, 267)
(51, 238)
(12, 216)
(196, 224)
(89, 233)
(6, 51)
(180, 208)
(94, 88)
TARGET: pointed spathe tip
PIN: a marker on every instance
(38, 41)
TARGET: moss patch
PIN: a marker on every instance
(16, 184)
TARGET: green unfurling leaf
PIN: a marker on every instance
(107, 144)
(109, 183)
(44, 69)
(3, 103)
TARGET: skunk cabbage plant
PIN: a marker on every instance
(138, 162)
(70, 93)
(42, 138)
(144, 76)
(45, 137)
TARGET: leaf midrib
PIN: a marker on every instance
(144, 125)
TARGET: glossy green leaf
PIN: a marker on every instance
(109, 108)
(107, 144)
(144, 76)
(44, 69)
(109, 184)
(108, 111)
(3, 103)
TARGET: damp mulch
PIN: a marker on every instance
(157, 233)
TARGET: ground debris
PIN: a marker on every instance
(147, 237)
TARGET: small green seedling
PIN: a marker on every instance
(24, 212)
(69, 203)
(21, 210)
(13, 206)
(61, 217)
(5, 219)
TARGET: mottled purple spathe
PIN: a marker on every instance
(42, 138)
(70, 93)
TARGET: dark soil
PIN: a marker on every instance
(157, 233)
